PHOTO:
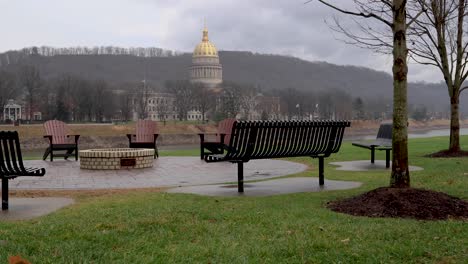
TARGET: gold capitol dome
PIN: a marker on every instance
(205, 48)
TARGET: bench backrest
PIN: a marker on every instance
(273, 139)
(59, 131)
(11, 160)
(225, 127)
(384, 136)
(145, 130)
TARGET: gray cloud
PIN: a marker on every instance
(287, 27)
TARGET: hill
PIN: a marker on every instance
(269, 72)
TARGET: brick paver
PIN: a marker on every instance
(166, 172)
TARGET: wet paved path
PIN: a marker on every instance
(166, 172)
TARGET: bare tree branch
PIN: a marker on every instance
(360, 14)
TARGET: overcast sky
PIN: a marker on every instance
(287, 27)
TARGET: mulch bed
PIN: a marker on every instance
(448, 154)
(403, 203)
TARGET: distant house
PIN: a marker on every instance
(12, 111)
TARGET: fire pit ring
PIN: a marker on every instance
(116, 158)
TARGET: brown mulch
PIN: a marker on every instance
(448, 154)
(403, 203)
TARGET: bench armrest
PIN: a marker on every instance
(75, 136)
(49, 137)
(130, 136)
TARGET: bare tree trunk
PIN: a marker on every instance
(400, 173)
(454, 124)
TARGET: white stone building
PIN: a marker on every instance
(12, 111)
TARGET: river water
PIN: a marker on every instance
(425, 134)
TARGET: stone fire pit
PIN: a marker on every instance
(116, 158)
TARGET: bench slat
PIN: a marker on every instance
(11, 163)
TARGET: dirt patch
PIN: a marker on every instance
(403, 203)
(448, 154)
(79, 193)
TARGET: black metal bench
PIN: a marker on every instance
(382, 142)
(11, 163)
(277, 139)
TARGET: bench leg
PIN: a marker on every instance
(202, 139)
(4, 194)
(51, 154)
(240, 177)
(387, 158)
(68, 153)
(321, 176)
(46, 153)
(372, 155)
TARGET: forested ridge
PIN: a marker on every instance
(266, 72)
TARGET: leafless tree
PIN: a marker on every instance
(391, 16)
(248, 100)
(183, 93)
(30, 79)
(125, 103)
(8, 88)
(141, 98)
(439, 38)
(163, 109)
(204, 99)
(104, 101)
(230, 100)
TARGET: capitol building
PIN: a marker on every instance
(206, 68)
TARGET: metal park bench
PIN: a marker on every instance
(222, 138)
(60, 139)
(277, 139)
(382, 142)
(146, 133)
(11, 163)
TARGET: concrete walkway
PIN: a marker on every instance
(166, 172)
(29, 208)
(267, 188)
(366, 165)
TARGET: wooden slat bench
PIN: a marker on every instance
(222, 138)
(382, 142)
(277, 139)
(60, 139)
(146, 134)
(11, 163)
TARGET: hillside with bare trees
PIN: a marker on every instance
(268, 73)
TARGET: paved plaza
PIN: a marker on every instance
(166, 172)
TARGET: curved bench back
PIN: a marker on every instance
(11, 160)
(384, 136)
(274, 139)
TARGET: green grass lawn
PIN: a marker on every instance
(145, 227)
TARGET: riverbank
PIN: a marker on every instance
(180, 134)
